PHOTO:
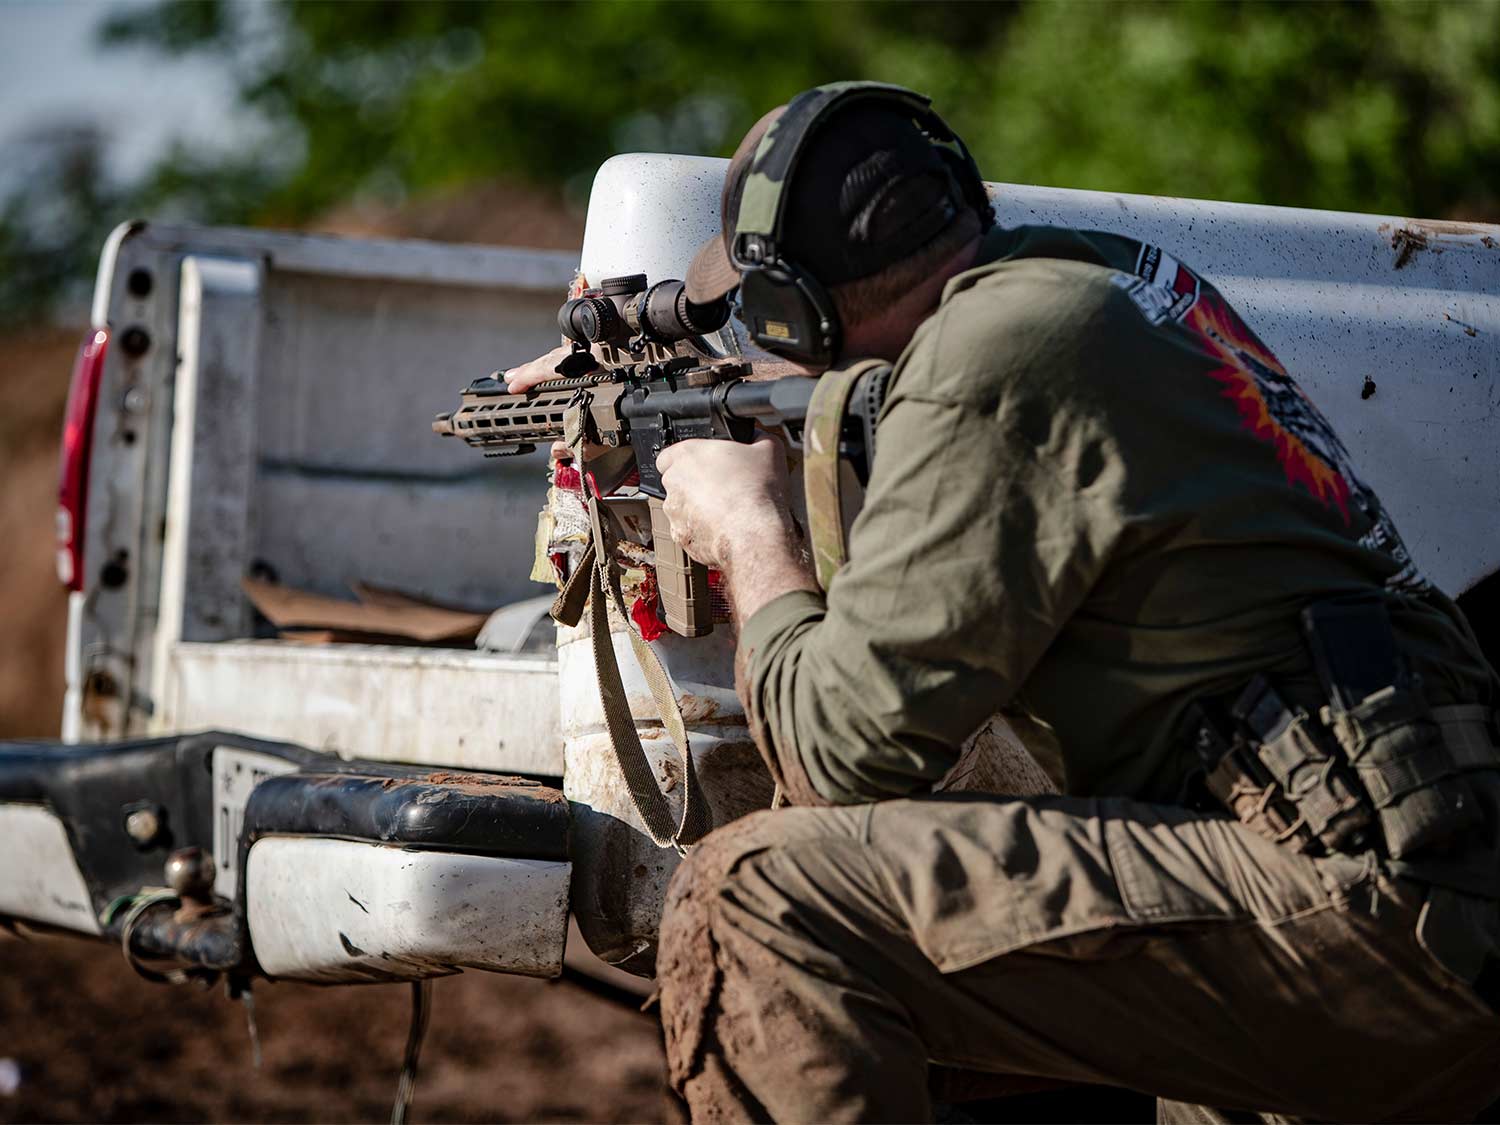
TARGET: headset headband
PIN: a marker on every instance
(763, 202)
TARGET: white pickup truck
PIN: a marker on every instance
(257, 404)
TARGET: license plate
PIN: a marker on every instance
(236, 774)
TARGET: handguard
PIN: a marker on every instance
(646, 407)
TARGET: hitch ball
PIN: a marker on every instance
(190, 874)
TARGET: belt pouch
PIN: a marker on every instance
(1295, 750)
(1398, 754)
(1235, 777)
(1384, 728)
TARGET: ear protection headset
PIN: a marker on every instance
(784, 307)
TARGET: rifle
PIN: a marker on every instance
(658, 386)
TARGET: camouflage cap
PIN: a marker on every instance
(873, 189)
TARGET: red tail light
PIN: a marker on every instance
(77, 443)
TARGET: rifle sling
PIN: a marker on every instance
(821, 474)
(640, 781)
(567, 607)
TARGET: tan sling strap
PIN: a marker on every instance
(645, 793)
(595, 579)
(568, 606)
(821, 477)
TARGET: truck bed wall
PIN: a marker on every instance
(276, 423)
(319, 362)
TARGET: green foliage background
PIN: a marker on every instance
(1391, 107)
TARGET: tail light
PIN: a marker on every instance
(77, 443)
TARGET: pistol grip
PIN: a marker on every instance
(681, 582)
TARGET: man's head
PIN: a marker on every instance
(836, 207)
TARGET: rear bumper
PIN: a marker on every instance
(324, 869)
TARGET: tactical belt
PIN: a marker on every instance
(1375, 769)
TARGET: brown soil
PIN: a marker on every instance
(34, 370)
(95, 1043)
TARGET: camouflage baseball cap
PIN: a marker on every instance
(870, 191)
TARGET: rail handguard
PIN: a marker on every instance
(647, 405)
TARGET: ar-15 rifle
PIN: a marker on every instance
(658, 385)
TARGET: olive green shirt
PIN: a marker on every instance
(1097, 496)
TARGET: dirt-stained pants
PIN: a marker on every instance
(813, 961)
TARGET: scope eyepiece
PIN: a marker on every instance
(590, 320)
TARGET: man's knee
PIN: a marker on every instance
(689, 969)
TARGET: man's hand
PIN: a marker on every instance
(728, 507)
(519, 380)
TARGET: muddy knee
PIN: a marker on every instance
(688, 966)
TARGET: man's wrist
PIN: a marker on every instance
(764, 558)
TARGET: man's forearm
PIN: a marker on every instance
(770, 561)
(767, 559)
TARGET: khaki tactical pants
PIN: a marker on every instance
(813, 961)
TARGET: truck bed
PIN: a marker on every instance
(265, 412)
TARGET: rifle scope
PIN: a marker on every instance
(623, 308)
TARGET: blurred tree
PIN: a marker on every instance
(1387, 106)
(385, 98)
(52, 219)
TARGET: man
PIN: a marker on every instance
(1099, 501)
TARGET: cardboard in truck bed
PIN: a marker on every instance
(381, 616)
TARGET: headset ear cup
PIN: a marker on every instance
(786, 311)
(968, 180)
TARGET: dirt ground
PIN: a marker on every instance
(95, 1043)
(34, 369)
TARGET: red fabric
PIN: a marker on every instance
(646, 612)
(567, 477)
